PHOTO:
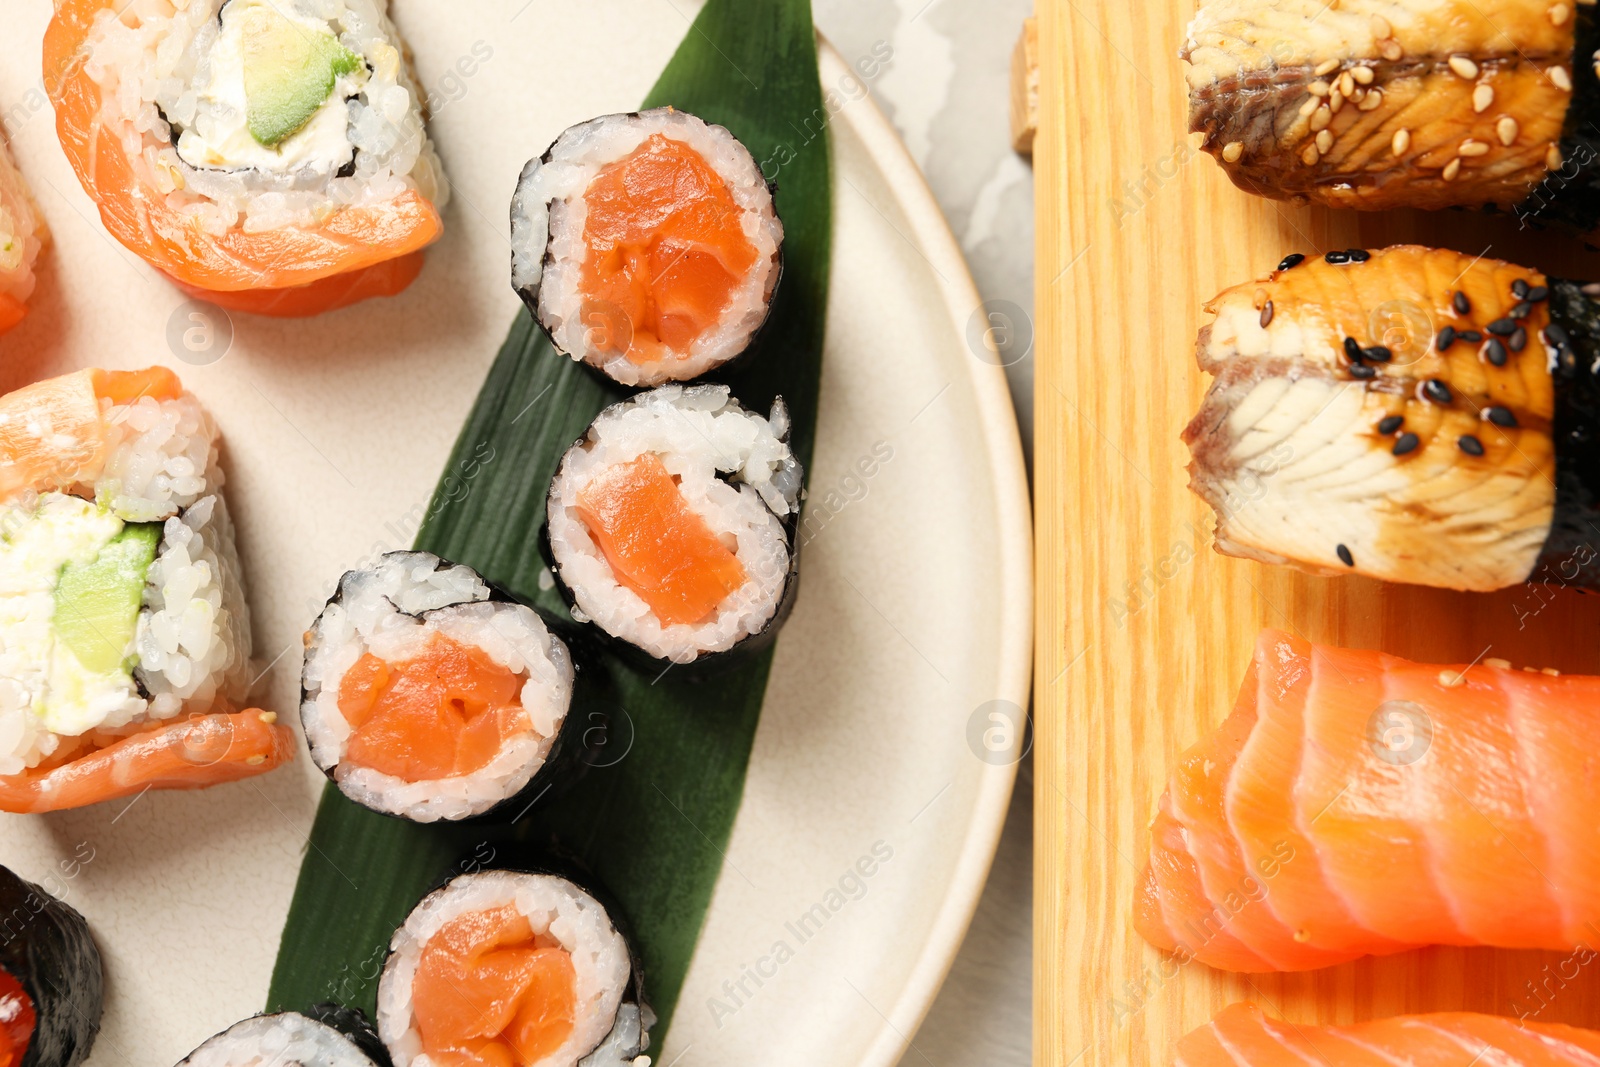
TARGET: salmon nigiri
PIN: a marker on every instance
(1356, 803)
(124, 636)
(1240, 1036)
(263, 158)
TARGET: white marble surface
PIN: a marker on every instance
(945, 88)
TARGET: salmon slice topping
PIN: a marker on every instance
(490, 992)
(440, 714)
(666, 250)
(16, 1020)
(656, 545)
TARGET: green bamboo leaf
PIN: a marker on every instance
(654, 825)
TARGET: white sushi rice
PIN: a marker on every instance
(153, 63)
(735, 471)
(23, 233)
(285, 1040)
(161, 456)
(548, 214)
(392, 610)
(554, 907)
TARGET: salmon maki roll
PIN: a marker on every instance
(1339, 812)
(511, 967)
(647, 245)
(1240, 1036)
(23, 235)
(1377, 104)
(266, 155)
(327, 1037)
(1409, 414)
(124, 635)
(430, 696)
(52, 988)
(670, 524)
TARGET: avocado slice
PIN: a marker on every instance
(289, 72)
(97, 603)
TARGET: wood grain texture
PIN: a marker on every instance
(1143, 630)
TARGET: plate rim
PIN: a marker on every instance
(997, 423)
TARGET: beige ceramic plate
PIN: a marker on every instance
(876, 748)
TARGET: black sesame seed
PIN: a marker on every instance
(1502, 327)
(1495, 352)
(1293, 259)
(1406, 442)
(1462, 305)
(1501, 416)
(1378, 353)
(1521, 311)
(1363, 372)
(1447, 337)
(1472, 337)
(1390, 423)
(1470, 444)
(1437, 391)
(1519, 289)
(1352, 350)
(1337, 257)
(1537, 294)
(1518, 340)
(1556, 334)
(1266, 314)
(1358, 255)
(1345, 557)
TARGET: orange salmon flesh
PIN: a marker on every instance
(666, 247)
(489, 992)
(16, 1020)
(441, 714)
(655, 544)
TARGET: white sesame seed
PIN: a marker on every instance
(1401, 142)
(1390, 49)
(1371, 101)
(1559, 14)
(1324, 140)
(1451, 169)
(1381, 27)
(1470, 148)
(1362, 74)
(1335, 101)
(1311, 104)
(1320, 119)
(1551, 671)
(1327, 66)
(1562, 79)
(1552, 157)
(1507, 129)
(1482, 97)
(1452, 679)
(1232, 151)
(1463, 67)
(1310, 155)
(1347, 83)
(1496, 661)
(1318, 88)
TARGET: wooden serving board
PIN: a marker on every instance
(1144, 631)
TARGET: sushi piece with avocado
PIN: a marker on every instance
(124, 636)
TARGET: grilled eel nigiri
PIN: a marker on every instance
(1355, 803)
(1403, 103)
(1240, 1036)
(1410, 414)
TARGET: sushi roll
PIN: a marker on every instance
(266, 155)
(1378, 104)
(670, 523)
(23, 235)
(515, 968)
(51, 985)
(336, 1038)
(124, 635)
(1340, 812)
(1240, 1036)
(1409, 414)
(646, 245)
(429, 696)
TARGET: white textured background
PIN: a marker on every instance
(946, 90)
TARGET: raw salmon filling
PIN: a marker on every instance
(491, 991)
(665, 248)
(16, 1020)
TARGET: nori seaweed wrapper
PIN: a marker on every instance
(1570, 195)
(1571, 553)
(354, 1024)
(46, 946)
